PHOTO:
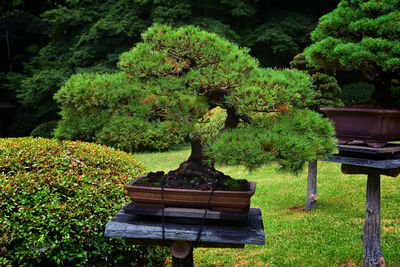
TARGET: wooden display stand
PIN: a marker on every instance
(183, 237)
(358, 159)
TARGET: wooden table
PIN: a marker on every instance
(182, 237)
(373, 163)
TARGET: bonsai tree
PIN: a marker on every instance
(363, 36)
(326, 86)
(170, 81)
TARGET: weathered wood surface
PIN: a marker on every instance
(312, 186)
(168, 243)
(378, 164)
(372, 229)
(351, 169)
(191, 213)
(130, 226)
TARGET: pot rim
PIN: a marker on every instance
(366, 110)
(131, 186)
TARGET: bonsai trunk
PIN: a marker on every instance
(196, 166)
(196, 170)
(383, 94)
(383, 86)
(197, 154)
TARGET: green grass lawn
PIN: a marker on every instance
(328, 236)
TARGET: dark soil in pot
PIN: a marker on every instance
(194, 174)
(196, 181)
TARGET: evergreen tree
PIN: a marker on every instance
(172, 78)
(363, 36)
(326, 86)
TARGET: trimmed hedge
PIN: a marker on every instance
(357, 93)
(55, 200)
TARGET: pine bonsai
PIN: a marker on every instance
(326, 86)
(363, 36)
(170, 80)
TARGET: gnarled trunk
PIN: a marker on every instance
(197, 154)
(196, 164)
(196, 169)
(383, 86)
(383, 94)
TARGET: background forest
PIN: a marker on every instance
(44, 42)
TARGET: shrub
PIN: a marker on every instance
(55, 200)
(45, 130)
(356, 93)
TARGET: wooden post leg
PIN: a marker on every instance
(372, 229)
(182, 254)
(312, 186)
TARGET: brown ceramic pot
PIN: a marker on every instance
(375, 127)
(220, 200)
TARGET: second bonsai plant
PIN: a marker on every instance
(362, 36)
(173, 80)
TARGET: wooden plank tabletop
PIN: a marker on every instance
(190, 213)
(131, 226)
(378, 164)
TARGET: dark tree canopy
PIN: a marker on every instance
(61, 38)
(364, 36)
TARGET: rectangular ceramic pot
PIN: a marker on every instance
(375, 127)
(220, 200)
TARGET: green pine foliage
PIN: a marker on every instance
(55, 200)
(358, 34)
(364, 36)
(265, 90)
(326, 87)
(170, 80)
(107, 108)
(290, 138)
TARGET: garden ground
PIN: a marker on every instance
(328, 236)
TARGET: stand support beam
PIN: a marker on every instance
(371, 236)
(182, 254)
(312, 186)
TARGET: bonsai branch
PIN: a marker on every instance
(217, 95)
(370, 75)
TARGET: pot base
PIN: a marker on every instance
(374, 144)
